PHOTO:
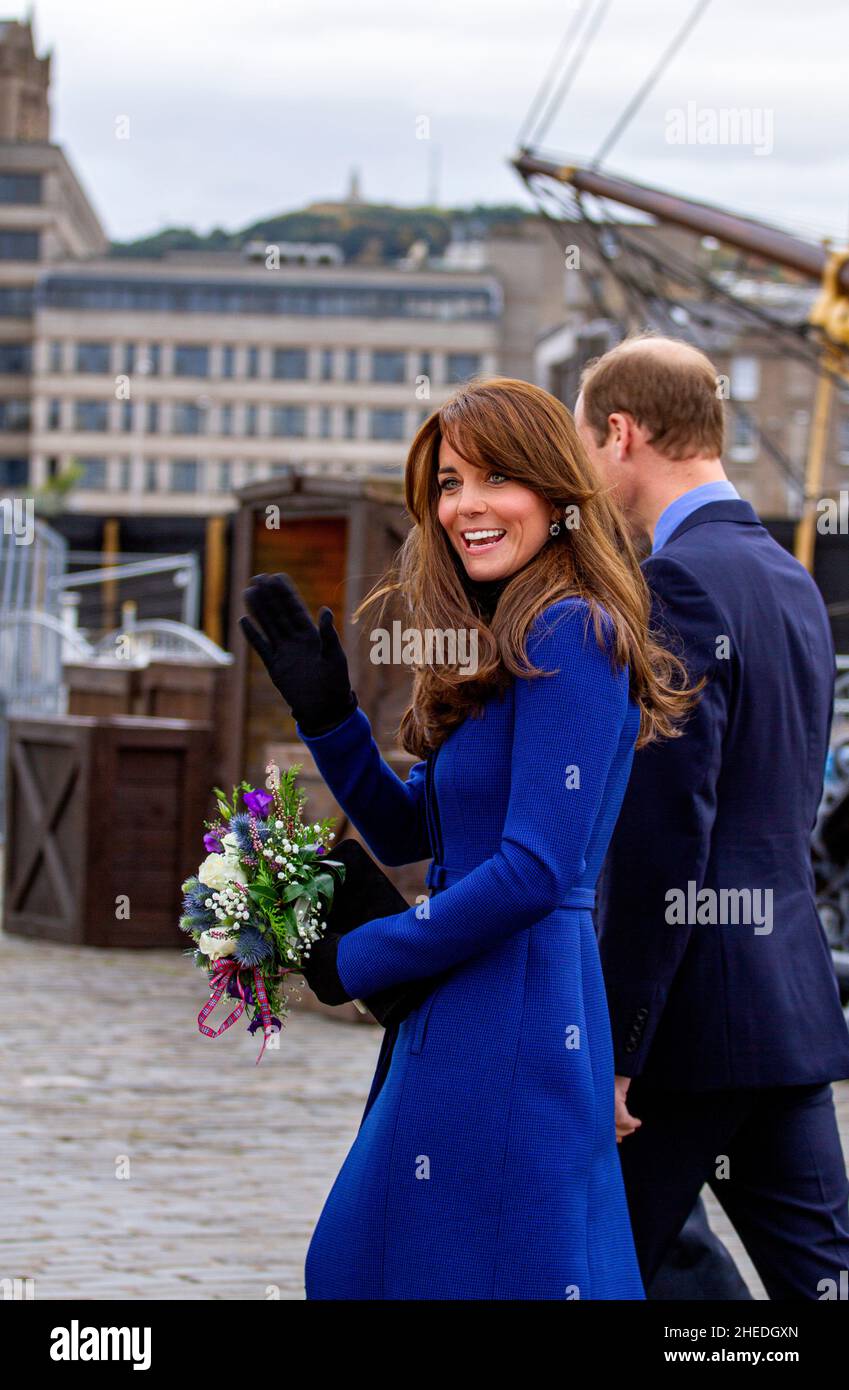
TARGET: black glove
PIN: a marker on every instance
(320, 970)
(305, 662)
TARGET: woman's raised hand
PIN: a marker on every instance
(306, 663)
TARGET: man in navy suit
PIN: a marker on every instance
(726, 1017)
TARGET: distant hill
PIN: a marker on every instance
(368, 233)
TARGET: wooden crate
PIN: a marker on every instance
(105, 817)
(100, 687)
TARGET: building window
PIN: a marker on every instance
(225, 475)
(91, 415)
(54, 415)
(228, 361)
(14, 414)
(226, 426)
(14, 472)
(55, 356)
(253, 362)
(459, 366)
(93, 357)
(184, 475)
(289, 420)
(151, 481)
(127, 416)
(325, 422)
(426, 364)
(327, 364)
(153, 417)
(16, 301)
(186, 418)
(18, 246)
(150, 361)
(388, 366)
(745, 378)
(350, 422)
(151, 294)
(744, 438)
(15, 359)
(20, 188)
(124, 474)
(351, 373)
(290, 364)
(191, 360)
(794, 494)
(387, 424)
(129, 358)
(94, 473)
(250, 419)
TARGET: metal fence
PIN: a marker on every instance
(57, 604)
(31, 580)
(32, 567)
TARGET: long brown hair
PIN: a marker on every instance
(531, 437)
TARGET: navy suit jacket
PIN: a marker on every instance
(732, 995)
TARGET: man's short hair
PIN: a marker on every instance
(668, 388)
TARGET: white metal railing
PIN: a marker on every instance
(160, 639)
(184, 568)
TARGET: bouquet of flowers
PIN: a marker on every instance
(258, 900)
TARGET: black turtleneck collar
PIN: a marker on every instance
(486, 592)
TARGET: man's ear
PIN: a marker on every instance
(622, 427)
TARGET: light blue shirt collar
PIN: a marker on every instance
(672, 516)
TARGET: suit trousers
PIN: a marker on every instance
(697, 1267)
(771, 1156)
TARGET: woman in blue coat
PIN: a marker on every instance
(486, 1165)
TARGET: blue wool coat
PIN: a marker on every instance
(487, 1166)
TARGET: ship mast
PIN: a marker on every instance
(829, 314)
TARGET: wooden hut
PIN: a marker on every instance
(335, 537)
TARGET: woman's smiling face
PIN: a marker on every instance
(474, 499)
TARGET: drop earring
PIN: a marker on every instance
(554, 528)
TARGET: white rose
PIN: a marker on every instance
(216, 943)
(217, 870)
(230, 842)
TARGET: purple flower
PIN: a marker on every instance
(258, 802)
(212, 844)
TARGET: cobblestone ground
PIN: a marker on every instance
(103, 1071)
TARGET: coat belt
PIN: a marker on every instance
(442, 876)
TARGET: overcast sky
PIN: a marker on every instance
(241, 108)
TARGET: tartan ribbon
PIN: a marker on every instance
(223, 973)
(264, 1010)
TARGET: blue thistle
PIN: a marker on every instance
(240, 827)
(194, 906)
(191, 922)
(251, 947)
(195, 902)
